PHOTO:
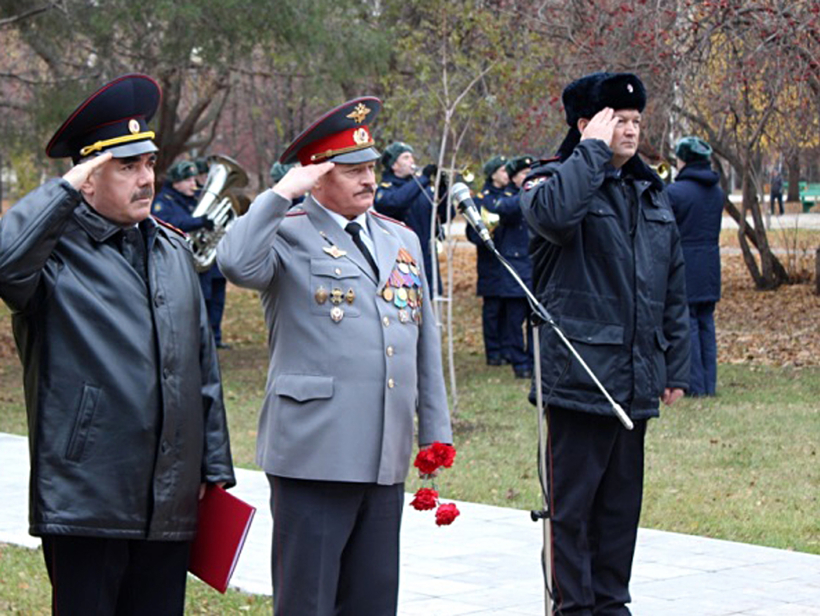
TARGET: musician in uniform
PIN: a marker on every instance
(355, 357)
(408, 197)
(511, 238)
(608, 265)
(488, 269)
(123, 394)
(175, 204)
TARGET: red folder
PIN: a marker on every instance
(224, 521)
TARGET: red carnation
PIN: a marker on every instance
(445, 514)
(443, 454)
(425, 499)
(426, 461)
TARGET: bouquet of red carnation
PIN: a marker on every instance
(428, 461)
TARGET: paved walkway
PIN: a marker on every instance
(488, 561)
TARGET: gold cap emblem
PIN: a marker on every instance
(359, 113)
(133, 126)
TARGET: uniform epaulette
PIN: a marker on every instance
(388, 219)
(552, 159)
(159, 221)
(385, 184)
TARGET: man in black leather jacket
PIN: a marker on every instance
(607, 264)
(123, 394)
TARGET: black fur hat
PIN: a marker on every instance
(586, 96)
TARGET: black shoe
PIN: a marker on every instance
(523, 373)
(495, 361)
(222, 345)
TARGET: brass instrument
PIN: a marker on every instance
(218, 205)
(664, 170)
(490, 219)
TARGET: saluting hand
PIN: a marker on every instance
(78, 174)
(299, 180)
(601, 126)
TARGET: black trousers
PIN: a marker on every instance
(91, 576)
(596, 468)
(335, 547)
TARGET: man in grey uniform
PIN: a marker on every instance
(354, 358)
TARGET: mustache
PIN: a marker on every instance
(366, 191)
(143, 193)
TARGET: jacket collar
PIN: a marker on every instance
(100, 228)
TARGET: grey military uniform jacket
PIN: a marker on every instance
(350, 367)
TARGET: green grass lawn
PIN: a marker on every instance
(741, 466)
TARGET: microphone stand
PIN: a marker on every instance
(544, 514)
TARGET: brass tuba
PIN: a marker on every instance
(664, 170)
(217, 204)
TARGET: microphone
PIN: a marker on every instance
(460, 193)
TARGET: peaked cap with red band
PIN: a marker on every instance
(341, 135)
(113, 119)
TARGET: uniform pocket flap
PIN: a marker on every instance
(303, 387)
(663, 343)
(592, 332)
(333, 268)
(656, 214)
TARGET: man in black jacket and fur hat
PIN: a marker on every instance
(608, 266)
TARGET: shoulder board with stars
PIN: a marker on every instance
(530, 184)
(388, 219)
(385, 184)
(162, 223)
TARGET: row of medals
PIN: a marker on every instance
(403, 289)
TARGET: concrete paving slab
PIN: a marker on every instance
(488, 561)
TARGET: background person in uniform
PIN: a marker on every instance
(277, 172)
(410, 199)
(697, 200)
(122, 386)
(175, 204)
(776, 192)
(608, 265)
(512, 241)
(202, 168)
(488, 268)
(354, 358)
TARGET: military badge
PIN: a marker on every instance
(336, 296)
(359, 113)
(350, 296)
(334, 251)
(321, 295)
(337, 314)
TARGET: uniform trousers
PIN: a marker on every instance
(515, 345)
(213, 285)
(596, 471)
(492, 323)
(93, 576)
(703, 353)
(335, 547)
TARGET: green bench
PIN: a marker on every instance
(809, 196)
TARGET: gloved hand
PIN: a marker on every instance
(207, 223)
(429, 171)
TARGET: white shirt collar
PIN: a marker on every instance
(343, 222)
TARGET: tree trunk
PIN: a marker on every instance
(817, 271)
(771, 273)
(793, 170)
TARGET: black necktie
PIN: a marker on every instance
(355, 230)
(133, 249)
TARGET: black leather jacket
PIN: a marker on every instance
(608, 266)
(122, 385)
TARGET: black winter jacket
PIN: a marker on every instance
(697, 201)
(123, 394)
(608, 266)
